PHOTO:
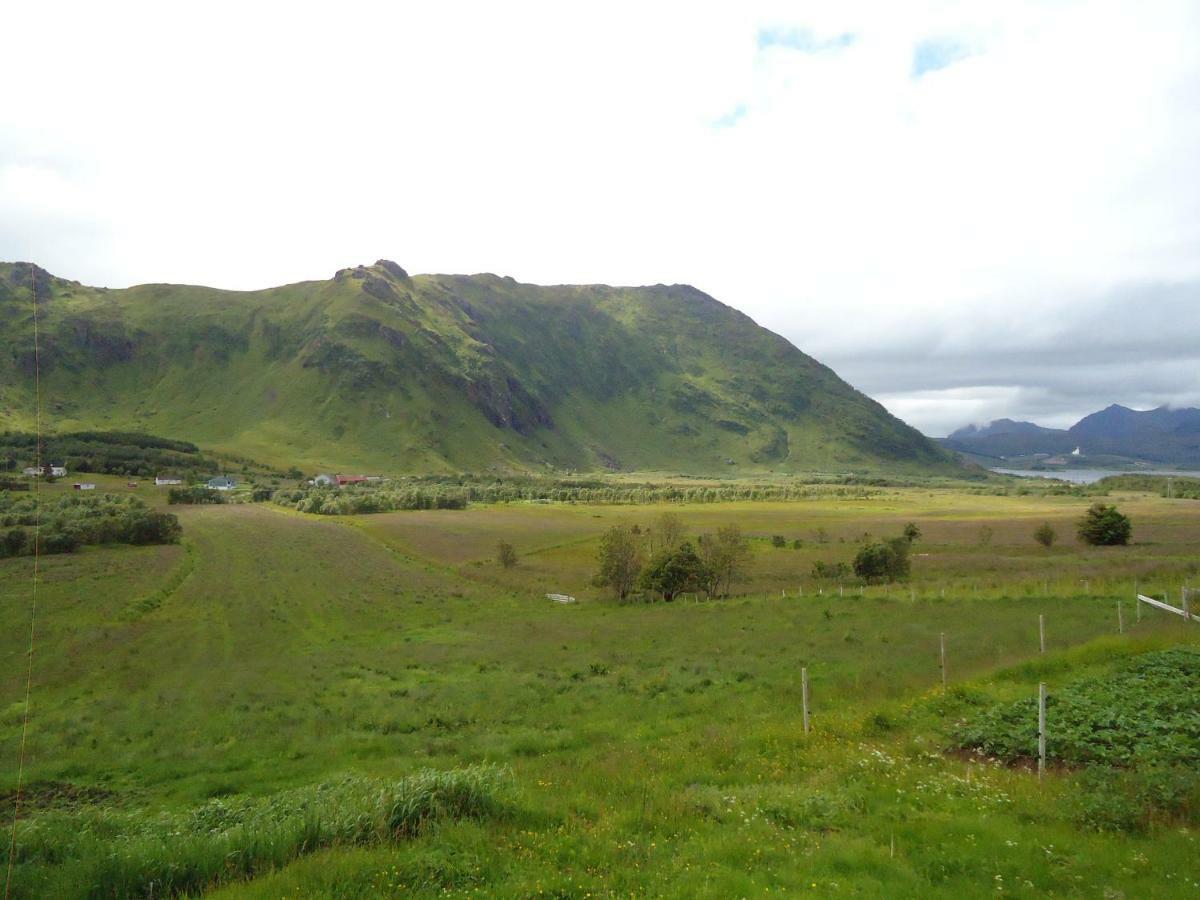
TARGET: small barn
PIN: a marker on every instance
(162, 480)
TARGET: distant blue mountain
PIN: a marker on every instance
(1163, 436)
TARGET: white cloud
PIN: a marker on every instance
(1047, 162)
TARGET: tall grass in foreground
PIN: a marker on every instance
(106, 853)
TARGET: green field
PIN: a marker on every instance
(638, 750)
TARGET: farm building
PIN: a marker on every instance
(84, 486)
(343, 480)
(221, 483)
(32, 471)
(161, 480)
(325, 480)
(58, 471)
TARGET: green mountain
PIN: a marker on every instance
(379, 370)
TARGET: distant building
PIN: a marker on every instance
(1078, 451)
(84, 486)
(58, 471)
(32, 471)
(343, 480)
(221, 483)
(325, 480)
(161, 480)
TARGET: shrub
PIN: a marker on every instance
(883, 561)
(14, 542)
(507, 554)
(197, 494)
(912, 533)
(673, 571)
(1045, 534)
(1105, 526)
(778, 540)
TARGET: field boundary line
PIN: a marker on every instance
(143, 606)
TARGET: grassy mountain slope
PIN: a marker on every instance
(381, 370)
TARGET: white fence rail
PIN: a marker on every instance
(1185, 612)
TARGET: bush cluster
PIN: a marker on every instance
(70, 522)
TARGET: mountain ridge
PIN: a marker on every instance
(377, 368)
(1163, 435)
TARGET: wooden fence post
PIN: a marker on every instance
(1120, 619)
(943, 641)
(1042, 632)
(1041, 730)
(804, 696)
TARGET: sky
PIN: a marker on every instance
(967, 210)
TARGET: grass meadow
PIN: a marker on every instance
(252, 711)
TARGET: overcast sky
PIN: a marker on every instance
(968, 213)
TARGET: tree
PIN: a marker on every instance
(14, 541)
(883, 561)
(778, 540)
(725, 556)
(673, 571)
(1045, 534)
(670, 531)
(1105, 526)
(507, 554)
(620, 561)
(912, 533)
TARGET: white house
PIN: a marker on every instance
(58, 471)
(325, 480)
(84, 486)
(221, 483)
(161, 480)
(32, 471)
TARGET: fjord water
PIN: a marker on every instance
(1090, 476)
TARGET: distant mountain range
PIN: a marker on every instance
(1116, 435)
(375, 369)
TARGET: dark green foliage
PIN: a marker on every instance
(14, 542)
(107, 452)
(778, 540)
(1045, 534)
(506, 553)
(883, 560)
(1145, 714)
(671, 572)
(1105, 526)
(70, 521)
(152, 528)
(912, 533)
(195, 494)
